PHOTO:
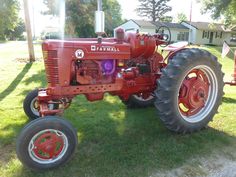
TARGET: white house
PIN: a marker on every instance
(195, 32)
(179, 32)
(210, 33)
(138, 25)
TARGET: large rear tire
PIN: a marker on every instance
(189, 91)
(46, 143)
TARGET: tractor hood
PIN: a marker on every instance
(90, 48)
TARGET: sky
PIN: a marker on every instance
(178, 6)
(39, 22)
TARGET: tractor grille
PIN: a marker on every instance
(51, 67)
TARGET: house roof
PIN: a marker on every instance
(170, 25)
(197, 25)
(207, 26)
(143, 23)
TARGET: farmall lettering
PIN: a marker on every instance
(95, 48)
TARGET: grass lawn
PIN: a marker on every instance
(113, 141)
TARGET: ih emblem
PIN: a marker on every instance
(79, 53)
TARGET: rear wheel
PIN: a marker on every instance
(140, 101)
(189, 91)
(46, 143)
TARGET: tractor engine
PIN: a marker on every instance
(90, 72)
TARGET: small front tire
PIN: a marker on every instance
(46, 143)
(30, 105)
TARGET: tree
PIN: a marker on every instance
(181, 17)
(218, 8)
(17, 32)
(80, 16)
(167, 19)
(153, 9)
(113, 15)
(9, 20)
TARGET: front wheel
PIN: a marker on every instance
(189, 91)
(31, 106)
(46, 143)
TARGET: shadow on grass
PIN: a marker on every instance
(229, 100)
(15, 82)
(39, 78)
(114, 142)
(10, 132)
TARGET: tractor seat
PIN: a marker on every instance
(175, 46)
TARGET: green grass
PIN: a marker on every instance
(113, 141)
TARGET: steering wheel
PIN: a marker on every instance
(166, 37)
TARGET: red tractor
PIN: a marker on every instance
(186, 87)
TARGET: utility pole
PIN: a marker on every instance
(29, 32)
(190, 19)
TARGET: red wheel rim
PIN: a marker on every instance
(48, 146)
(194, 92)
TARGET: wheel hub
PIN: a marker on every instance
(197, 93)
(48, 145)
(194, 92)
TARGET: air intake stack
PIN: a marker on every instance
(99, 20)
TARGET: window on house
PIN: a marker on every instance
(205, 34)
(233, 38)
(219, 34)
(183, 36)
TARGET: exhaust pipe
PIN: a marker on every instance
(99, 20)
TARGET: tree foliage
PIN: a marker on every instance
(154, 9)
(80, 15)
(167, 19)
(181, 17)
(9, 19)
(218, 8)
(17, 32)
